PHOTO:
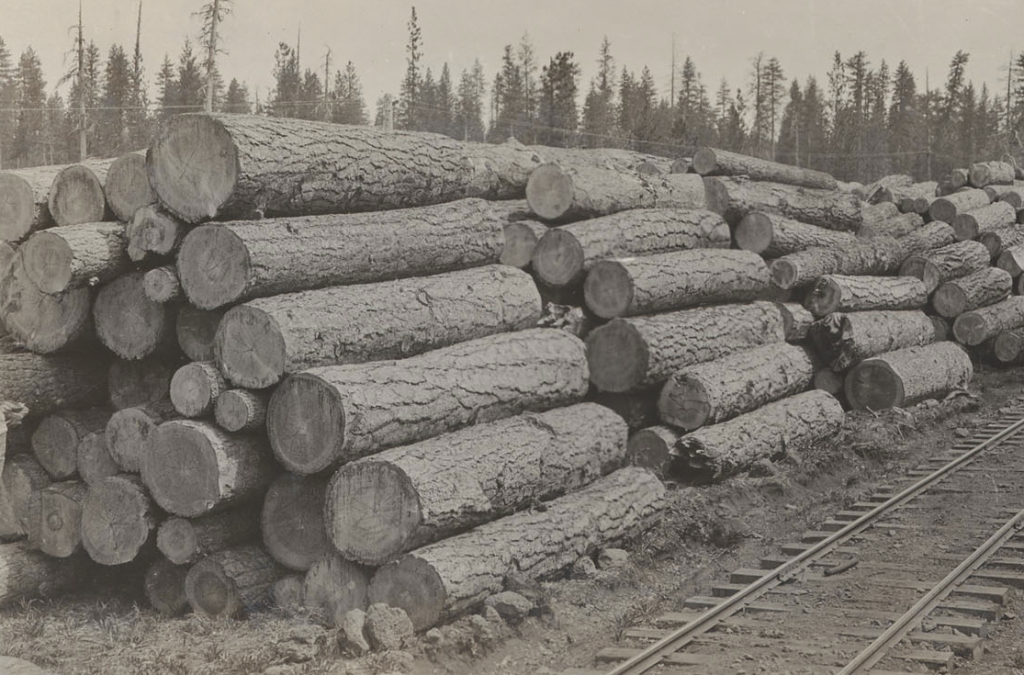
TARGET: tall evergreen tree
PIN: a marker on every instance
(191, 83)
(444, 99)
(509, 100)
(236, 100)
(527, 62)
(559, 116)
(349, 107)
(287, 82)
(167, 85)
(8, 103)
(409, 94)
(775, 89)
(212, 14)
(138, 117)
(469, 109)
(310, 101)
(112, 136)
(599, 106)
(29, 140)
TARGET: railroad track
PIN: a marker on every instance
(908, 580)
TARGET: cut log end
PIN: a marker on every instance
(117, 519)
(239, 410)
(55, 519)
(181, 469)
(147, 329)
(754, 232)
(54, 443)
(176, 539)
(76, 196)
(195, 387)
(558, 258)
(211, 591)
(162, 285)
(784, 273)
(652, 447)
(17, 207)
(873, 385)
(39, 321)
(333, 587)
(1007, 346)
(704, 161)
(128, 434)
(213, 266)
(127, 186)
(520, 242)
(94, 459)
(824, 297)
(250, 348)
(549, 191)
(413, 585)
(300, 446)
(970, 329)
(617, 356)
(47, 259)
(684, 403)
(950, 300)
(608, 289)
(292, 521)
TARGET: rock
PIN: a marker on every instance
(612, 558)
(961, 432)
(396, 661)
(301, 643)
(351, 637)
(511, 606)
(492, 616)
(482, 630)
(584, 568)
(517, 582)
(434, 637)
(387, 627)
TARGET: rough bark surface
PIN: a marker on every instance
(949, 207)
(442, 580)
(773, 235)
(55, 441)
(630, 354)
(718, 390)
(990, 173)
(118, 519)
(333, 587)
(293, 521)
(55, 518)
(151, 326)
(128, 432)
(651, 447)
(165, 587)
(87, 254)
(844, 339)
(21, 477)
(185, 541)
(974, 223)
(127, 185)
(916, 198)
(260, 342)
(713, 162)
(239, 410)
(76, 194)
(794, 425)
(898, 226)
(326, 415)
(844, 293)
(978, 289)
(26, 574)
(997, 241)
(796, 320)
(931, 236)
(38, 321)
(946, 263)
(974, 327)
(195, 387)
(49, 383)
(735, 198)
(232, 582)
(907, 376)
(231, 262)
(196, 329)
(877, 213)
(882, 255)
(404, 498)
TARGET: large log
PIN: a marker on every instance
(232, 262)
(76, 194)
(150, 328)
(262, 341)
(1008, 346)
(978, 289)
(843, 293)
(333, 587)
(293, 521)
(153, 230)
(404, 498)
(195, 387)
(974, 223)
(444, 579)
(55, 441)
(792, 425)
(21, 477)
(164, 586)
(232, 582)
(974, 327)
(877, 256)
(719, 390)
(196, 329)
(629, 354)
(713, 162)
(26, 574)
(39, 321)
(521, 239)
(193, 468)
(134, 383)
(997, 241)
(949, 207)
(239, 410)
(773, 235)
(127, 185)
(844, 339)
(907, 376)
(49, 383)
(735, 198)
(982, 174)
(931, 236)
(185, 541)
(946, 263)
(651, 447)
(337, 413)
(668, 281)
(87, 254)
(898, 226)
(564, 254)
(118, 519)
(55, 518)
(128, 432)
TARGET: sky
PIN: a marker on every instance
(720, 35)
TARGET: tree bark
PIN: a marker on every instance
(404, 498)
(842, 293)
(129, 429)
(773, 235)
(262, 341)
(997, 241)
(713, 162)
(1012, 260)
(946, 263)
(978, 289)
(127, 187)
(76, 194)
(224, 264)
(293, 521)
(240, 410)
(564, 254)
(1008, 346)
(152, 324)
(94, 459)
(154, 231)
(521, 239)
(118, 519)
(916, 198)
(186, 541)
(930, 237)
(974, 327)
(195, 387)
(232, 582)
(193, 468)
(630, 354)
(719, 390)
(796, 320)
(949, 207)
(55, 441)
(338, 413)
(55, 518)
(846, 339)
(872, 214)
(881, 190)
(48, 383)
(734, 198)
(38, 321)
(26, 574)
(165, 587)
(651, 448)
(441, 580)
(335, 586)
(990, 173)
(669, 281)
(974, 223)
(898, 226)
(882, 255)
(792, 425)
(196, 330)
(162, 285)
(135, 383)
(87, 254)
(907, 376)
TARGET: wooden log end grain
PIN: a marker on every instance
(128, 433)
(127, 185)
(94, 459)
(38, 321)
(156, 231)
(185, 541)
(549, 191)
(195, 387)
(150, 325)
(164, 586)
(292, 521)
(250, 348)
(162, 284)
(55, 518)
(76, 196)
(118, 518)
(21, 477)
(310, 447)
(333, 587)
(55, 441)
(521, 239)
(240, 410)
(754, 232)
(17, 207)
(608, 289)
(213, 266)
(558, 258)
(287, 593)
(232, 582)
(618, 356)
(1008, 346)
(652, 447)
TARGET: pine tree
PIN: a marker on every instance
(509, 100)
(310, 97)
(905, 121)
(212, 14)
(409, 96)
(775, 89)
(426, 118)
(788, 149)
(758, 95)
(287, 82)
(112, 137)
(236, 100)
(137, 117)
(349, 107)
(54, 126)
(469, 109)
(529, 91)
(191, 83)
(813, 125)
(8, 102)
(167, 84)
(558, 113)
(29, 139)
(444, 99)
(599, 107)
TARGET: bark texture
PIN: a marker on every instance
(796, 320)
(990, 173)
(897, 226)
(773, 235)
(127, 185)
(71, 257)
(26, 574)
(978, 289)
(713, 162)
(974, 223)
(946, 263)
(845, 339)
(843, 293)
(735, 198)
(49, 383)
(118, 519)
(974, 327)
(232, 582)
(907, 376)
(997, 241)
(185, 541)
(151, 326)
(38, 321)
(929, 237)
(882, 255)
(293, 521)
(949, 207)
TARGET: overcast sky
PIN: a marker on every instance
(720, 35)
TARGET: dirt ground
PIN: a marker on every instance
(706, 532)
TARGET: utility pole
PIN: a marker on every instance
(928, 119)
(672, 96)
(327, 84)
(83, 148)
(1009, 93)
(212, 51)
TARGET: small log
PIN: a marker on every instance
(333, 587)
(629, 354)
(982, 174)
(974, 223)
(907, 376)
(796, 320)
(946, 263)
(55, 441)
(165, 587)
(128, 432)
(82, 255)
(127, 187)
(1008, 346)
(997, 241)
(38, 321)
(232, 582)
(195, 387)
(916, 198)
(713, 162)
(76, 195)
(26, 574)
(958, 178)
(94, 459)
(22, 476)
(161, 284)
(773, 235)
(978, 289)
(897, 226)
(118, 519)
(292, 521)
(196, 330)
(931, 236)
(287, 592)
(1011, 194)
(45, 384)
(651, 447)
(949, 207)
(734, 198)
(150, 328)
(845, 339)
(843, 293)
(187, 541)
(55, 518)
(882, 255)
(135, 383)
(521, 239)
(154, 230)
(974, 327)
(240, 410)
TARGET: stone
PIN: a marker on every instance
(351, 629)
(511, 606)
(612, 558)
(301, 643)
(584, 568)
(961, 432)
(387, 627)
(492, 615)
(434, 637)
(395, 661)
(482, 630)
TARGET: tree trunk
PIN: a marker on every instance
(946, 263)
(23, 208)
(135, 383)
(94, 459)
(652, 447)
(55, 518)
(1011, 194)
(949, 207)
(907, 376)
(669, 281)
(76, 195)
(151, 326)
(338, 413)
(442, 486)
(187, 541)
(196, 330)
(155, 231)
(990, 173)
(335, 586)
(978, 289)
(521, 239)
(75, 256)
(161, 284)
(792, 425)
(773, 235)
(872, 214)
(841, 293)
(165, 587)
(292, 521)
(22, 476)
(128, 432)
(48, 383)
(224, 264)
(195, 387)
(928, 238)
(722, 389)
(974, 327)
(796, 320)
(712, 162)
(55, 441)
(846, 339)
(734, 198)
(1012, 260)
(240, 410)
(564, 254)
(441, 580)
(898, 226)
(193, 468)
(958, 178)
(1008, 346)
(629, 354)
(26, 574)
(127, 185)
(997, 241)
(118, 519)
(916, 198)
(867, 257)
(974, 223)
(262, 341)
(232, 582)
(38, 321)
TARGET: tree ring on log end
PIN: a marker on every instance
(1007, 346)
(549, 191)
(413, 585)
(210, 591)
(76, 196)
(38, 321)
(784, 273)
(127, 185)
(617, 357)
(127, 322)
(128, 433)
(176, 539)
(213, 266)
(558, 258)
(873, 385)
(180, 467)
(113, 527)
(520, 242)
(608, 289)
(17, 207)
(684, 403)
(250, 348)
(47, 259)
(51, 441)
(970, 329)
(949, 300)
(306, 424)
(754, 232)
(292, 519)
